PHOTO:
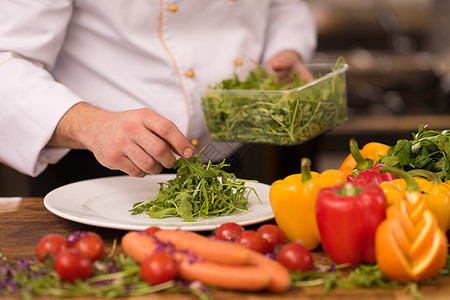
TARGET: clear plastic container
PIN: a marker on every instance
(286, 117)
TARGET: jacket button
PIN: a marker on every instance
(195, 142)
(173, 7)
(190, 73)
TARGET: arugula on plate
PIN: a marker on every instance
(198, 190)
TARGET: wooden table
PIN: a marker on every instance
(23, 221)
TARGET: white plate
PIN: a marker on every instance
(105, 202)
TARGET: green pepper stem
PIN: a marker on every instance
(306, 169)
(361, 162)
(349, 190)
(411, 184)
(425, 174)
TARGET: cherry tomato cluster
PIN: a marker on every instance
(269, 238)
(73, 257)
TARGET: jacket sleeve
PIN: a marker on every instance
(291, 27)
(31, 101)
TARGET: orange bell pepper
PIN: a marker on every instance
(293, 202)
(409, 245)
(370, 155)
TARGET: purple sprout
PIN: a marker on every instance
(76, 236)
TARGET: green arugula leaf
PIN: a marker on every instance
(429, 150)
(197, 191)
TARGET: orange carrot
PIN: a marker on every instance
(236, 277)
(208, 249)
(280, 278)
(217, 263)
(138, 245)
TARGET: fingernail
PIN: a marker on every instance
(188, 152)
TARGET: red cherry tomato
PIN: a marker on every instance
(296, 257)
(50, 245)
(227, 231)
(70, 265)
(253, 240)
(87, 242)
(159, 267)
(273, 235)
(151, 230)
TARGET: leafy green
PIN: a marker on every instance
(361, 276)
(198, 190)
(259, 109)
(338, 276)
(428, 149)
(116, 276)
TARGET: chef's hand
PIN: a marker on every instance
(138, 142)
(287, 63)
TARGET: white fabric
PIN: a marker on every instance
(127, 54)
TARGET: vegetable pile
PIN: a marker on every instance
(198, 190)
(261, 110)
(76, 266)
(393, 210)
(157, 260)
(378, 225)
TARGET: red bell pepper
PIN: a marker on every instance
(347, 217)
(372, 175)
(365, 171)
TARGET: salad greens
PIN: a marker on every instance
(259, 109)
(117, 275)
(198, 190)
(362, 276)
(114, 276)
(429, 150)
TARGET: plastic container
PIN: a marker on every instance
(286, 117)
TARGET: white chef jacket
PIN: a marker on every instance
(128, 54)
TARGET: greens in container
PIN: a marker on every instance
(259, 110)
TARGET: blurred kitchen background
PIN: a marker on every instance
(398, 52)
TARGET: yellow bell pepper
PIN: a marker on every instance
(436, 193)
(393, 190)
(293, 201)
(370, 153)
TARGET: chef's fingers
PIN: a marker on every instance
(305, 73)
(287, 63)
(143, 163)
(171, 137)
(280, 62)
(116, 160)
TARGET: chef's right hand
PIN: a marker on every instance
(137, 142)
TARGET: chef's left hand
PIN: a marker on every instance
(287, 63)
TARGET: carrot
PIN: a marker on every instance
(208, 249)
(217, 263)
(138, 245)
(237, 277)
(280, 278)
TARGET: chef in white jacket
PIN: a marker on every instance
(122, 78)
